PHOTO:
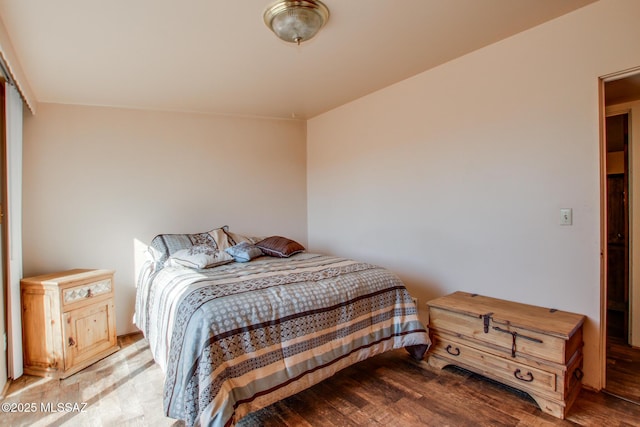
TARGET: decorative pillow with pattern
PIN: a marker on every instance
(235, 238)
(164, 245)
(278, 246)
(199, 256)
(244, 252)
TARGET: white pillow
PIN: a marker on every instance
(199, 256)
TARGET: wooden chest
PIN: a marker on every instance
(534, 349)
(68, 321)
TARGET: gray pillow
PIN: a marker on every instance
(244, 252)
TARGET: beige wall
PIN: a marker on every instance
(98, 179)
(455, 178)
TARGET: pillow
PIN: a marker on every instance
(244, 252)
(164, 245)
(199, 256)
(280, 247)
(219, 235)
(235, 238)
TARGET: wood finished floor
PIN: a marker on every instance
(125, 389)
(623, 370)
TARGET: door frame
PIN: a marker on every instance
(603, 113)
(4, 330)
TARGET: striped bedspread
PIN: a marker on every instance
(239, 337)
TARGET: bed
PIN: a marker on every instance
(235, 335)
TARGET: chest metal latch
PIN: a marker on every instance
(486, 318)
(515, 335)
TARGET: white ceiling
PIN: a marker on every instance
(217, 56)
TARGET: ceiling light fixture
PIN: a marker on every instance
(296, 21)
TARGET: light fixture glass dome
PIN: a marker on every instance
(296, 21)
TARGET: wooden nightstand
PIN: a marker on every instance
(68, 321)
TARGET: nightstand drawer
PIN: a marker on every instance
(89, 290)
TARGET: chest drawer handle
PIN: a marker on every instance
(527, 378)
(456, 351)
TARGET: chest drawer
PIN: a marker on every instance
(551, 379)
(504, 369)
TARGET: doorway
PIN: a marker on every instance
(622, 199)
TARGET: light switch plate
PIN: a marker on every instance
(566, 216)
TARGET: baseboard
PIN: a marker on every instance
(128, 334)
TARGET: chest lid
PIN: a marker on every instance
(539, 319)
